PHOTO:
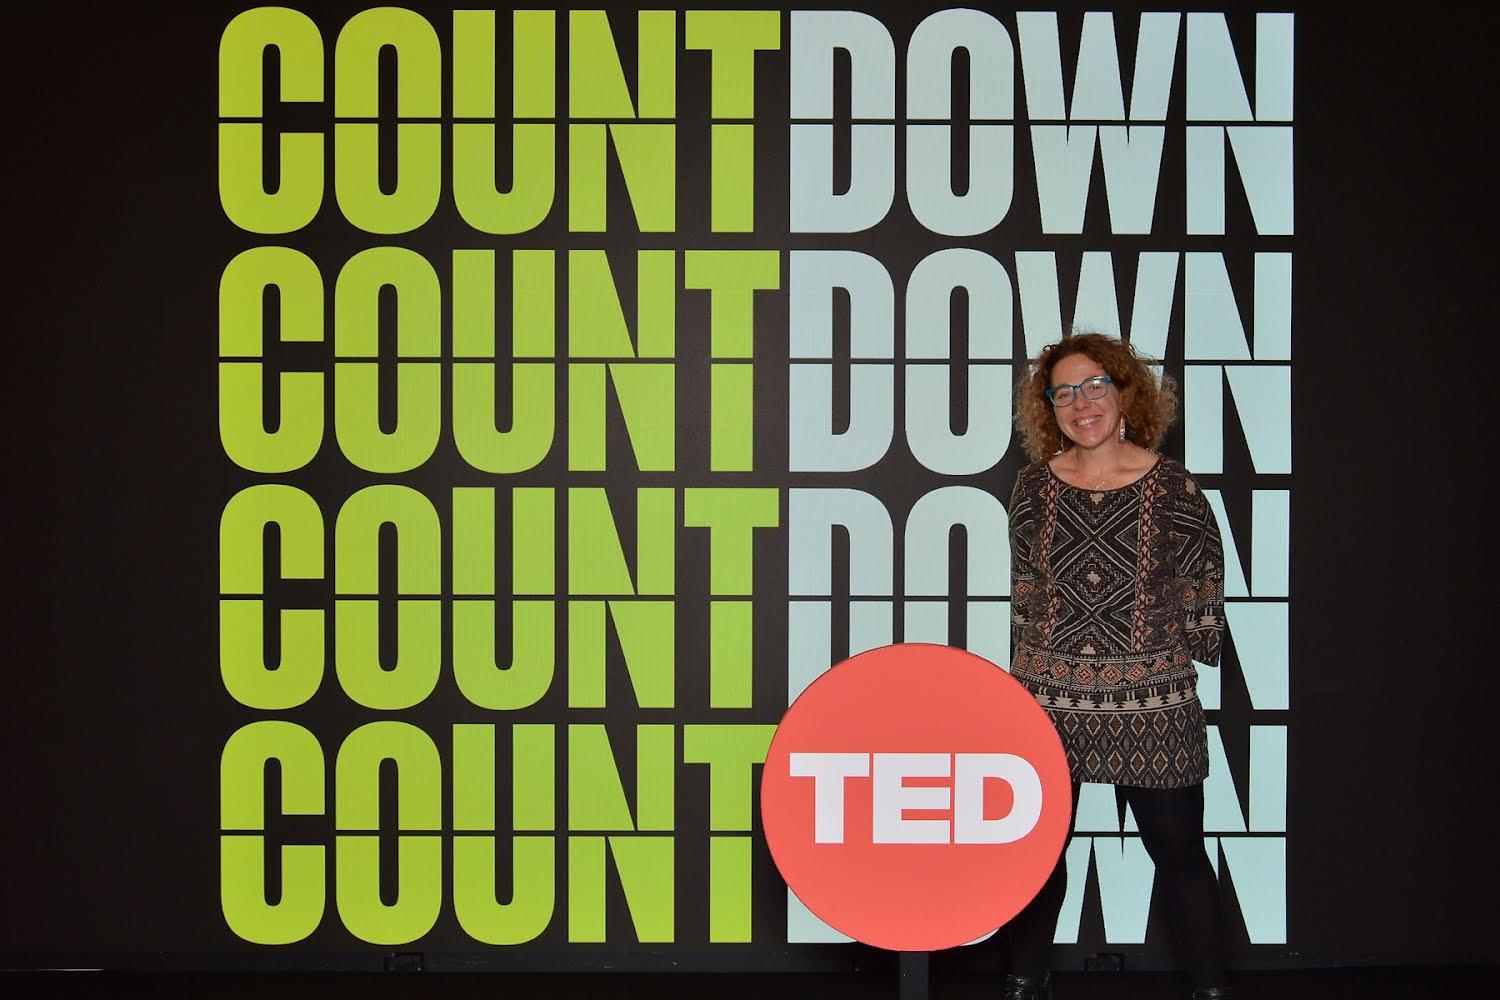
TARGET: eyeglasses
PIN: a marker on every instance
(1092, 388)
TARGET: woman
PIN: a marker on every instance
(1117, 587)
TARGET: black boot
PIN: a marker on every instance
(1212, 993)
(1027, 987)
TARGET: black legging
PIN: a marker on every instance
(1171, 823)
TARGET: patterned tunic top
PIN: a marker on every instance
(1114, 594)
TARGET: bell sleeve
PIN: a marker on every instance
(1201, 576)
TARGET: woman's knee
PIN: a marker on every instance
(1176, 852)
(1171, 824)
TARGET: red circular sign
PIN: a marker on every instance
(915, 797)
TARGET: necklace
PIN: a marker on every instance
(1095, 481)
(1099, 482)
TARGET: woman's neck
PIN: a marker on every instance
(1107, 457)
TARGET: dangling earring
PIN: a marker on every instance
(1122, 430)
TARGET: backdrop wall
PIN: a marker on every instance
(471, 428)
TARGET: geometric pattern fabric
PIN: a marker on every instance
(1114, 594)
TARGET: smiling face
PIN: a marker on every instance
(1088, 422)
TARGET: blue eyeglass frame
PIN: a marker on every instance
(1103, 380)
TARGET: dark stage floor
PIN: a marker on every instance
(1346, 984)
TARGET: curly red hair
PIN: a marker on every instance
(1149, 406)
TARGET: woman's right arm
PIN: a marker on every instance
(1023, 571)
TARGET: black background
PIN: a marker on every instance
(118, 715)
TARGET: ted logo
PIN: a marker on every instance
(915, 797)
(891, 797)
